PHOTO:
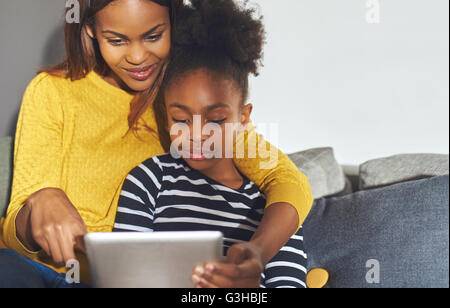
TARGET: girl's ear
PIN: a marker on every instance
(246, 112)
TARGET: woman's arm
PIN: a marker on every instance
(37, 201)
(49, 221)
(276, 175)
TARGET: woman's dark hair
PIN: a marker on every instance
(219, 36)
(83, 54)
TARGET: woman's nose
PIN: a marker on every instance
(137, 54)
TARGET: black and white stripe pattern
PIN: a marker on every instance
(165, 194)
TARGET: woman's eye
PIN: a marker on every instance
(117, 42)
(154, 38)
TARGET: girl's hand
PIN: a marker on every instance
(50, 222)
(243, 269)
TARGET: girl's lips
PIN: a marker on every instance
(197, 157)
(193, 155)
(141, 74)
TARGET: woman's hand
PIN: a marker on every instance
(243, 269)
(50, 222)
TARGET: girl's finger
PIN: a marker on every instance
(253, 283)
(203, 283)
(237, 254)
(217, 280)
(250, 269)
(226, 282)
(223, 269)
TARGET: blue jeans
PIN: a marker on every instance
(17, 271)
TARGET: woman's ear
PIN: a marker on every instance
(90, 32)
(246, 112)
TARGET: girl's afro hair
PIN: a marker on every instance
(220, 35)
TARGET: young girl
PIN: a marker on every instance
(217, 46)
(87, 122)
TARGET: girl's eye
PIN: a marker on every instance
(180, 121)
(218, 121)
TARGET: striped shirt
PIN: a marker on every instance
(165, 194)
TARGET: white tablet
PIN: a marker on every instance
(149, 260)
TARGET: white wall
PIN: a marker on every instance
(31, 37)
(367, 90)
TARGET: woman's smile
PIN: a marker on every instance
(134, 39)
(141, 74)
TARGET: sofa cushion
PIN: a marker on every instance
(401, 168)
(6, 148)
(390, 237)
(324, 173)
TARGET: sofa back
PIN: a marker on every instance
(6, 149)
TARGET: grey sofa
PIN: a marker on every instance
(384, 224)
(381, 224)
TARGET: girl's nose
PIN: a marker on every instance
(197, 130)
(197, 136)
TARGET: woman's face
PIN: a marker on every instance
(134, 40)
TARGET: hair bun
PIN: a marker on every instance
(222, 27)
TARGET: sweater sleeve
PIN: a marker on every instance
(37, 152)
(274, 173)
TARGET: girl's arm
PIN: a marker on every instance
(278, 225)
(289, 200)
(246, 261)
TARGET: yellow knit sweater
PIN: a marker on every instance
(73, 135)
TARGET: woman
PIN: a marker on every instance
(86, 123)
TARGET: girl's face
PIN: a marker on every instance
(134, 40)
(199, 99)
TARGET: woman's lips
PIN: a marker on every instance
(141, 74)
